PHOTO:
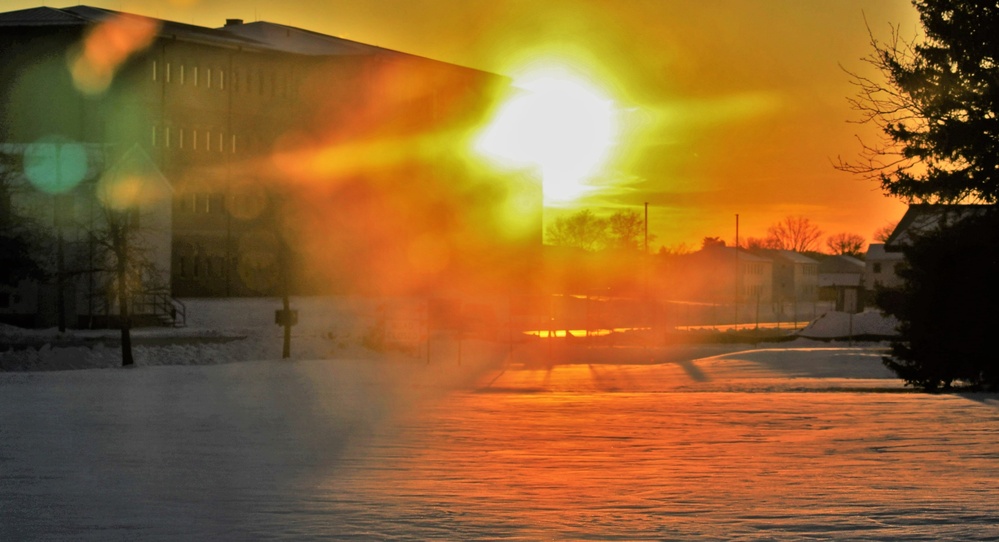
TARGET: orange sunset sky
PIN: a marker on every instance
(721, 107)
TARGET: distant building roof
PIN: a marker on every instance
(87, 15)
(877, 252)
(926, 217)
(259, 35)
(297, 40)
(729, 252)
(788, 255)
(41, 16)
(840, 263)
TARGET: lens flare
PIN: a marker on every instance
(55, 165)
(106, 47)
(560, 123)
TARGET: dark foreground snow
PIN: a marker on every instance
(808, 442)
(799, 440)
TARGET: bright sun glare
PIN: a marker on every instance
(559, 123)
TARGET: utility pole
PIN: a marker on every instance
(737, 277)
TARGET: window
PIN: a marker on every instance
(221, 142)
(208, 77)
(182, 74)
(233, 144)
(180, 138)
(154, 70)
(208, 140)
(235, 81)
(195, 70)
(221, 80)
(154, 136)
(877, 268)
(194, 140)
(166, 137)
(167, 72)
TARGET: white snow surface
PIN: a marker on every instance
(842, 325)
(484, 440)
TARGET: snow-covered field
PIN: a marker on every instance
(798, 440)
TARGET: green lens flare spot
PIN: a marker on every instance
(55, 165)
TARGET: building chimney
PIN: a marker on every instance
(233, 22)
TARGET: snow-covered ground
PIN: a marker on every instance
(487, 440)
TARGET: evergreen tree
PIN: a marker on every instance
(940, 108)
(947, 307)
(939, 113)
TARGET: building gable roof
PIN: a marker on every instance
(41, 16)
(840, 263)
(927, 217)
(260, 36)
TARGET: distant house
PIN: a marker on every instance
(841, 282)
(880, 267)
(722, 275)
(926, 217)
(795, 276)
(882, 260)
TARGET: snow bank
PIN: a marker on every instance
(842, 325)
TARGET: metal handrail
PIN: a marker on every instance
(161, 304)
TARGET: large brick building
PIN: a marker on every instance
(348, 162)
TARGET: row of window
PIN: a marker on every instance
(193, 139)
(250, 81)
(202, 202)
(190, 75)
(754, 290)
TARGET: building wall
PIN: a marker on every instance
(354, 169)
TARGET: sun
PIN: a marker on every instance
(558, 122)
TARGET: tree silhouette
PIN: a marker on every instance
(939, 117)
(582, 229)
(946, 307)
(625, 230)
(712, 242)
(884, 232)
(850, 244)
(938, 112)
(795, 233)
(17, 260)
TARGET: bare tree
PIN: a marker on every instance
(712, 242)
(795, 233)
(884, 232)
(756, 243)
(934, 106)
(626, 230)
(675, 250)
(582, 229)
(17, 232)
(849, 244)
(125, 265)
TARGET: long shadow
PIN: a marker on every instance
(693, 371)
